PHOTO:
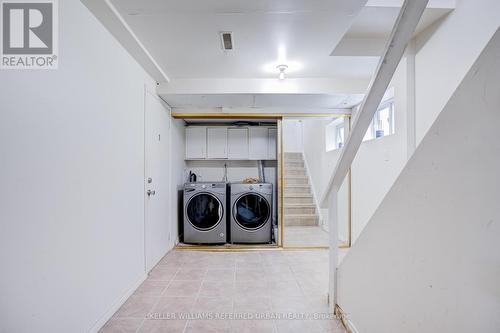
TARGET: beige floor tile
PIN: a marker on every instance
(253, 304)
(220, 274)
(137, 306)
(182, 288)
(249, 274)
(189, 273)
(152, 288)
(253, 326)
(121, 325)
(217, 289)
(298, 326)
(289, 288)
(163, 273)
(332, 326)
(243, 282)
(173, 305)
(254, 288)
(213, 305)
(162, 326)
(208, 326)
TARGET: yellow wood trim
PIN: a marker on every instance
(187, 115)
(228, 247)
(342, 316)
(281, 184)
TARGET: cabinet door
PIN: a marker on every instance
(258, 142)
(237, 143)
(217, 142)
(272, 144)
(196, 142)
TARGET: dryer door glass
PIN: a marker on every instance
(251, 211)
(204, 211)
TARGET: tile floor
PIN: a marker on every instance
(303, 236)
(263, 291)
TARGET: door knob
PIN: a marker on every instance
(151, 192)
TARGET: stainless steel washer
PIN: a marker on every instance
(205, 213)
(251, 212)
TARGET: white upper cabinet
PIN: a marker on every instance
(196, 142)
(237, 139)
(258, 143)
(217, 142)
(272, 144)
(233, 143)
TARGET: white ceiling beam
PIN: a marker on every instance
(264, 86)
(404, 27)
(116, 25)
(289, 112)
(451, 4)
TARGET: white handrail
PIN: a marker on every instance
(402, 32)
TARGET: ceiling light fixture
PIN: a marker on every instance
(282, 68)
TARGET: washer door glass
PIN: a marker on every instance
(204, 211)
(251, 211)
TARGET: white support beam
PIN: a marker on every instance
(404, 27)
(265, 86)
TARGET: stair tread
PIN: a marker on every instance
(302, 215)
(300, 205)
(298, 195)
(298, 185)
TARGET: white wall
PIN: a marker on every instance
(439, 271)
(379, 161)
(446, 51)
(292, 135)
(72, 172)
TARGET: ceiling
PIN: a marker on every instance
(377, 22)
(183, 36)
(332, 48)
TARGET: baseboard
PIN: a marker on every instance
(344, 318)
(111, 311)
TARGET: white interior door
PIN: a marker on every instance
(157, 234)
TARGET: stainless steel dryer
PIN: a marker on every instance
(251, 212)
(205, 213)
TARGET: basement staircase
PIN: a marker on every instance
(300, 209)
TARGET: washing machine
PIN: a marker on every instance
(251, 212)
(205, 213)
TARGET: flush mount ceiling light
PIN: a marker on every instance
(283, 64)
(282, 68)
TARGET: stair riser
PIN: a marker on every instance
(305, 200)
(301, 221)
(300, 210)
(293, 155)
(298, 172)
(294, 164)
(297, 190)
(296, 181)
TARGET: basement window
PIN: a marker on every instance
(382, 123)
(335, 134)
